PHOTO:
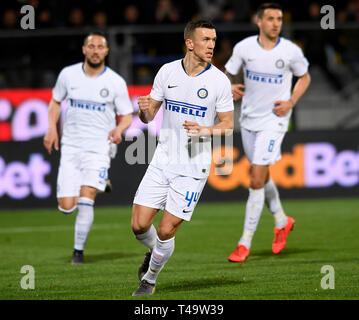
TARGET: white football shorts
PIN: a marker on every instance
(262, 147)
(160, 189)
(80, 168)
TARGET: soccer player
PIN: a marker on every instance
(269, 63)
(95, 95)
(193, 92)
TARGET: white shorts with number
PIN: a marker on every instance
(262, 147)
(176, 194)
(80, 168)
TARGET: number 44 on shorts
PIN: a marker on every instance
(191, 196)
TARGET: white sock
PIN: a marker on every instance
(246, 238)
(84, 220)
(148, 238)
(280, 219)
(162, 251)
(254, 209)
(274, 205)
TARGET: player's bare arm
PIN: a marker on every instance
(148, 108)
(236, 86)
(115, 135)
(223, 127)
(282, 107)
(52, 138)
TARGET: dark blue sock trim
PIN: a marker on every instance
(85, 204)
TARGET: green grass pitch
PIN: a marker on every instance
(325, 233)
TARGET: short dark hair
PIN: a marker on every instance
(192, 25)
(95, 33)
(268, 5)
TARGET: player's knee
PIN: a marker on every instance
(141, 219)
(138, 227)
(257, 183)
(165, 232)
(67, 204)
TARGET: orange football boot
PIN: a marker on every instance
(280, 236)
(239, 254)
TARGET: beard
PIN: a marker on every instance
(94, 65)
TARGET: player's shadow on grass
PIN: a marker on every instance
(201, 284)
(90, 258)
(285, 252)
(93, 258)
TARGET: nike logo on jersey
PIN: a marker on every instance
(170, 87)
(186, 211)
(73, 88)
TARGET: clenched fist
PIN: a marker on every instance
(144, 103)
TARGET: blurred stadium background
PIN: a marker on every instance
(320, 153)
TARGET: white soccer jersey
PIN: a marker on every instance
(92, 105)
(267, 78)
(196, 99)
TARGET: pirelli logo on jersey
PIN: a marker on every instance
(88, 105)
(185, 108)
(264, 77)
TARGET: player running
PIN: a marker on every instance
(269, 63)
(193, 93)
(95, 94)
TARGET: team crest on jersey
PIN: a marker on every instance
(104, 93)
(202, 93)
(279, 64)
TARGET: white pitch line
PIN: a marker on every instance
(55, 228)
